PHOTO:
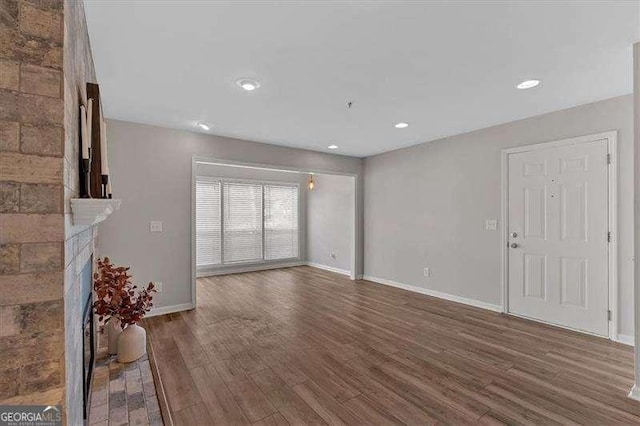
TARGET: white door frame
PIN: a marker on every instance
(355, 246)
(612, 189)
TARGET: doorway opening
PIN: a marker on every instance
(250, 217)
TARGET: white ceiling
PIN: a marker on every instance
(444, 67)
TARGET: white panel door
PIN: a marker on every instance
(558, 226)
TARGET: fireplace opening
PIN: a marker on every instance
(88, 334)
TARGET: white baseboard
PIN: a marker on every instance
(329, 268)
(163, 310)
(438, 294)
(247, 268)
(626, 339)
(634, 393)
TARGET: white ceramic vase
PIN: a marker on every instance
(113, 333)
(132, 343)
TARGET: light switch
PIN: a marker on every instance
(491, 225)
(155, 226)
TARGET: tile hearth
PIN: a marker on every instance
(123, 393)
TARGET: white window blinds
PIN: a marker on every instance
(280, 222)
(242, 222)
(208, 233)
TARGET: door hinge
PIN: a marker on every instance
(608, 158)
(609, 315)
(609, 236)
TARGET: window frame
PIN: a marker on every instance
(262, 183)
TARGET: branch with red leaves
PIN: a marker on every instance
(117, 297)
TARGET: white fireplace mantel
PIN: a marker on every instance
(91, 211)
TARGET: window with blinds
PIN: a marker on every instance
(243, 222)
(280, 222)
(208, 233)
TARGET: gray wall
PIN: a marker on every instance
(426, 205)
(151, 173)
(330, 221)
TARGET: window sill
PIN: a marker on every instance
(248, 267)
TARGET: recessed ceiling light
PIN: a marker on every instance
(401, 125)
(248, 84)
(528, 84)
(204, 126)
(333, 147)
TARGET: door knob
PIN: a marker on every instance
(514, 245)
(514, 234)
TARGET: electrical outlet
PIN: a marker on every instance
(332, 255)
(427, 272)
(158, 285)
(155, 226)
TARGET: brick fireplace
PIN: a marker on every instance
(45, 63)
(32, 230)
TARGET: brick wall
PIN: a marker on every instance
(79, 241)
(45, 63)
(32, 230)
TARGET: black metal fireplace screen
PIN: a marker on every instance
(88, 335)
